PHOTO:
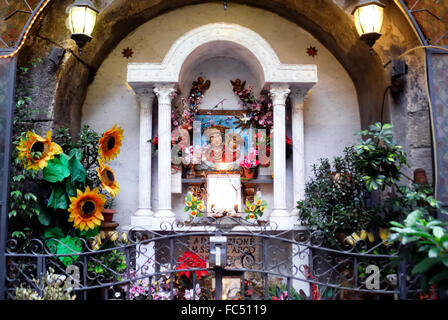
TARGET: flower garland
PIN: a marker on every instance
(260, 109)
(184, 116)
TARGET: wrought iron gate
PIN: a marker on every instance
(211, 260)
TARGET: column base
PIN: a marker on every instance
(144, 212)
(280, 213)
(282, 222)
(141, 220)
(165, 213)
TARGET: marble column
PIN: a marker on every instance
(143, 216)
(298, 97)
(164, 93)
(278, 94)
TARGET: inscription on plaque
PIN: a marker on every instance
(242, 251)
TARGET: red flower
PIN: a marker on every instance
(191, 260)
(288, 140)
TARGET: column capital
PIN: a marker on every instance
(164, 92)
(279, 93)
(145, 97)
(298, 96)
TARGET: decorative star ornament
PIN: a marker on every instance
(311, 51)
(127, 53)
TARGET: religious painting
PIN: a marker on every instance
(223, 142)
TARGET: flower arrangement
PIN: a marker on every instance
(191, 260)
(194, 205)
(79, 178)
(255, 209)
(250, 161)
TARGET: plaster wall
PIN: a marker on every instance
(331, 112)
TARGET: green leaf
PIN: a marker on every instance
(445, 260)
(70, 189)
(57, 169)
(77, 170)
(424, 265)
(90, 233)
(44, 216)
(438, 232)
(53, 233)
(58, 198)
(433, 252)
(439, 277)
(68, 245)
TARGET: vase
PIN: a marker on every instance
(248, 173)
(108, 214)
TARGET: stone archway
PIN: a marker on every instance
(163, 78)
(328, 23)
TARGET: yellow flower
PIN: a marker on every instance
(189, 204)
(252, 207)
(258, 203)
(194, 213)
(371, 237)
(363, 234)
(86, 209)
(251, 216)
(384, 233)
(113, 235)
(110, 143)
(124, 237)
(107, 179)
(262, 208)
(32, 144)
(200, 207)
(193, 199)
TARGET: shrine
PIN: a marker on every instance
(160, 80)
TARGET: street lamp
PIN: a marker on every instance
(81, 19)
(368, 15)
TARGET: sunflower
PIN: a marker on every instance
(107, 179)
(110, 143)
(35, 151)
(86, 209)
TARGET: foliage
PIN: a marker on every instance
(255, 209)
(279, 291)
(334, 198)
(52, 288)
(24, 203)
(194, 205)
(379, 158)
(110, 262)
(426, 242)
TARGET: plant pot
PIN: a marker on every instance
(248, 173)
(108, 214)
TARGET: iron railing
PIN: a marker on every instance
(173, 262)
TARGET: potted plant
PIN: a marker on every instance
(109, 211)
(194, 206)
(255, 209)
(249, 164)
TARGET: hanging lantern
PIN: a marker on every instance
(368, 16)
(81, 19)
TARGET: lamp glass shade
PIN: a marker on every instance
(368, 19)
(82, 20)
